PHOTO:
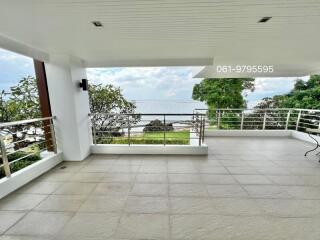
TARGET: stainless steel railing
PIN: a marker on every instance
(261, 119)
(22, 142)
(148, 128)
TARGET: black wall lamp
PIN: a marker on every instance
(84, 84)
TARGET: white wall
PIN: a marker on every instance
(149, 149)
(247, 133)
(70, 104)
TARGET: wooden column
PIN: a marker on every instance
(44, 100)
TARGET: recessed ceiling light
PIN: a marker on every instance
(264, 19)
(97, 23)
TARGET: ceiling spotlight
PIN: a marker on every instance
(264, 19)
(97, 24)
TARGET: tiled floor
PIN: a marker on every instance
(247, 188)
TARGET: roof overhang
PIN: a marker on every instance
(168, 33)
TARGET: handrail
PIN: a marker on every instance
(261, 118)
(129, 127)
(22, 122)
(149, 114)
(43, 140)
(245, 109)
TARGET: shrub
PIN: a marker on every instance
(16, 166)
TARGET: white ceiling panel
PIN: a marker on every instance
(176, 32)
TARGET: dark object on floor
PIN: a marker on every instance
(312, 132)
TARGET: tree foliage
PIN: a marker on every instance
(223, 92)
(21, 102)
(107, 105)
(305, 94)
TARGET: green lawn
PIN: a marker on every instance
(181, 137)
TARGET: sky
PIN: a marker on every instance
(176, 83)
(13, 67)
(150, 84)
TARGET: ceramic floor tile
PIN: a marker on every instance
(217, 179)
(146, 189)
(92, 225)
(9, 218)
(137, 204)
(21, 202)
(188, 190)
(189, 205)
(76, 188)
(252, 179)
(152, 178)
(40, 223)
(101, 204)
(266, 191)
(61, 203)
(226, 191)
(143, 226)
(184, 178)
(37, 187)
(112, 189)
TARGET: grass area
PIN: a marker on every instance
(181, 137)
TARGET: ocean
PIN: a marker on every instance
(167, 106)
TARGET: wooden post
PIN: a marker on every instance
(44, 102)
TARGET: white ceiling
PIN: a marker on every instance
(171, 32)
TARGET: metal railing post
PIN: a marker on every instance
(242, 119)
(203, 128)
(200, 131)
(53, 137)
(219, 119)
(298, 120)
(94, 131)
(264, 120)
(129, 140)
(288, 119)
(5, 161)
(164, 129)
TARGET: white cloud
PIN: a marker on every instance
(268, 87)
(170, 93)
(176, 83)
(276, 84)
(149, 82)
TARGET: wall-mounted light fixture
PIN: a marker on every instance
(84, 84)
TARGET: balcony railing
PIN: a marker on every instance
(23, 142)
(261, 119)
(152, 128)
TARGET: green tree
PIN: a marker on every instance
(107, 105)
(223, 92)
(4, 111)
(23, 102)
(305, 94)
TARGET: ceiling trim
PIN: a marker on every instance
(18, 47)
(210, 72)
(150, 62)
